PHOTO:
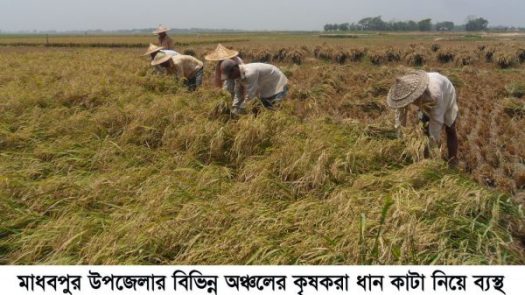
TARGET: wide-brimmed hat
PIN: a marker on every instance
(221, 53)
(152, 49)
(407, 89)
(161, 29)
(160, 59)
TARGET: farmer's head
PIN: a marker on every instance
(161, 31)
(230, 70)
(162, 59)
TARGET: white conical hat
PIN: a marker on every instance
(153, 48)
(161, 29)
(160, 59)
(221, 53)
(407, 89)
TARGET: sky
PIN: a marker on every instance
(66, 15)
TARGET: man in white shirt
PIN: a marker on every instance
(435, 97)
(169, 52)
(253, 80)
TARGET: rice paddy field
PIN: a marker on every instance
(104, 162)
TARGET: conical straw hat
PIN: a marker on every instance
(221, 53)
(407, 89)
(153, 48)
(160, 59)
(161, 29)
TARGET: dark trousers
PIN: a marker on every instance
(196, 81)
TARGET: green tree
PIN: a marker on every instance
(344, 27)
(477, 24)
(399, 26)
(372, 24)
(330, 27)
(412, 26)
(425, 25)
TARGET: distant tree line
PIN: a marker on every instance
(424, 25)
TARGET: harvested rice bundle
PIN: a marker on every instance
(263, 55)
(415, 59)
(392, 55)
(317, 52)
(435, 47)
(445, 56)
(305, 49)
(482, 47)
(521, 55)
(505, 60)
(376, 58)
(356, 55)
(464, 59)
(341, 56)
(325, 53)
(297, 57)
(415, 144)
(489, 53)
(281, 54)
(243, 52)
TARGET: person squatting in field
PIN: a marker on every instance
(152, 52)
(435, 97)
(182, 66)
(164, 40)
(221, 54)
(253, 80)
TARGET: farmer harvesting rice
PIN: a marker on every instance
(164, 40)
(254, 80)
(154, 49)
(220, 54)
(182, 66)
(152, 52)
(435, 97)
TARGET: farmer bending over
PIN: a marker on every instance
(253, 80)
(435, 97)
(152, 52)
(182, 66)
